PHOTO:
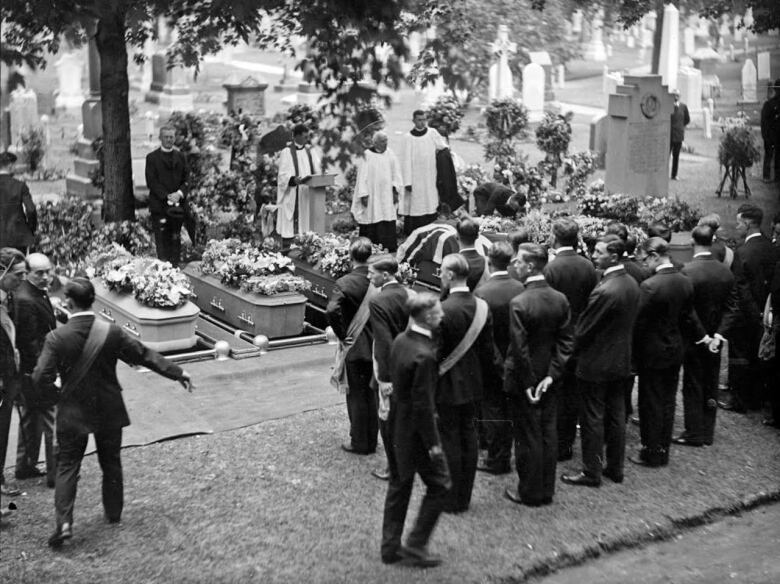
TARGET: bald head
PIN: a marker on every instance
(380, 142)
(39, 270)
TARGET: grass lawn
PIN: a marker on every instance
(280, 502)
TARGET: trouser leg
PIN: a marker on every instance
(28, 445)
(109, 444)
(592, 427)
(710, 374)
(9, 389)
(396, 505)
(693, 394)
(651, 414)
(615, 424)
(449, 432)
(71, 447)
(769, 155)
(469, 453)
(498, 430)
(436, 477)
(670, 381)
(549, 443)
(568, 411)
(675, 148)
(527, 422)
(358, 406)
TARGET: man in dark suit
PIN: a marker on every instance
(679, 119)
(416, 443)
(602, 346)
(389, 317)
(498, 291)
(466, 345)
(575, 277)
(666, 319)
(468, 232)
(348, 302)
(18, 218)
(491, 197)
(753, 267)
(34, 319)
(715, 305)
(92, 404)
(719, 250)
(166, 177)
(540, 344)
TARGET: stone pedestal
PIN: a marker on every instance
(247, 97)
(170, 88)
(70, 68)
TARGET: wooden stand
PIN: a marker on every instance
(734, 172)
(316, 200)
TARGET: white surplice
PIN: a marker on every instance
(286, 194)
(377, 174)
(419, 171)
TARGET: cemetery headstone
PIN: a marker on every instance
(533, 91)
(689, 84)
(764, 70)
(638, 137)
(630, 42)
(749, 83)
(707, 60)
(23, 111)
(70, 70)
(543, 58)
(576, 22)
(598, 138)
(707, 123)
(594, 50)
(170, 88)
(609, 84)
(247, 97)
(501, 84)
(670, 46)
(561, 71)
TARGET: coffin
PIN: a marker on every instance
(160, 329)
(281, 315)
(322, 284)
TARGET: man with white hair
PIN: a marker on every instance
(680, 119)
(377, 188)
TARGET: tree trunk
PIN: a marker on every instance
(657, 34)
(118, 198)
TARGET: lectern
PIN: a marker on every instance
(316, 200)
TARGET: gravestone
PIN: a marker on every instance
(707, 61)
(764, 66)
(598, 138)
(543, 58)
(533, 91)
(561, 74)
(576, 22)
(630, 42)
(247, 97)
(594, 50)
(689, 41)
(670, 47)
(501, 84)
(638, 137)
(23, 112)
(70, 70)
(170, 88)
(749, 83)
(689, 84)
(646, 40)
(609, 84)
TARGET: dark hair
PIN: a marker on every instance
(617, 228)
(81, 292)
(299, 129)
(468, 230)
(384, 263)
(500, 254)
(565, 231)
(535, 253)
(630, 244)
(518, 237)
(443, 210)
(419, 112)
(661, 230)
(702, 235)
(752, 214)
(9, 257)
(420, 303)
(614, 244)
(360, 249)
(712, 220)
(656, 245)
(457, 264)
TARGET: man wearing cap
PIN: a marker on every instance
(18, 219)
(680, 119)
(770, 132)
(84, 352)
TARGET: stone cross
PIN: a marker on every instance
(502, 47)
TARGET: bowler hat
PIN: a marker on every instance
(7, 158)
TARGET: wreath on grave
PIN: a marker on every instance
(445, 115)
(506, 119)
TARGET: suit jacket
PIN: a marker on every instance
(635, 269)
(490, 197)
(541, 337)
(347, 297)
(714, 297)
(498, 291)
(666, 320)
(18, 217)
(415, 371)
(477, 266)
(603, 337)
(389, 318)
(478, 368)
(447, 180)
(753, 267)
(96, 402)
(34, 319)
(573, 276)
(166, 172)
(680, 119)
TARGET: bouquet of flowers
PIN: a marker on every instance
(738, 147)
(308, 246)
(406, 274)
(234, 262)
(445, 115)
(160, 285)
(334, 258)
(578, 167)
(278, 284)
(495, 224)
(553, 133)
(517, 174)
(676, 214)
(469, 179)
(617, 207)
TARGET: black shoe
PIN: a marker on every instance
(634, 420)
(612, 475)
(347, 447)
(640, 461)
(114, 520)
(515, 497)
(29, 473)
(418, 557)
(494, 470)
(580, 479)
(62, 533)
(732, 407)
(393, 558)
(383, 474)
(566, 454)
(683, 441)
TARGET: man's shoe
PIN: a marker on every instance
(9, 491)
(683, 441)
(62, 533)
(114, 520)
(639, 461)
(564, 455)
(29, 473)
(347, 447)
(612, 475)
(419, 557)
(634, 420)
(494, 470)
(732, 407)
(580, 479)
(515, 497)
(383, 474)
(50, 483)
(393, 558)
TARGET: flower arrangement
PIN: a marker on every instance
(517, 174)
(506, 119)
(577, 168)
(65, 232)
(469, 179)
(738, 147)
(307, 246)
(303, 114)
(495, 224)
(445, 115)
(553, 135)
(234, 262)
(278, 284)
(598, 203)
(406, 274)
(134, 236)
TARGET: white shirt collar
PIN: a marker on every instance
(536, 278)
(499, 273)
(563, 248)
(83, 313)
(423, 331)
(702, 254)
(472, 248)
(752, 235)
(459, 289)
(664, 266)
(166, 149)
(611, 269)
(390, 283)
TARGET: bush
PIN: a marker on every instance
(65, 232)
(445, 115)
(33, 147)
